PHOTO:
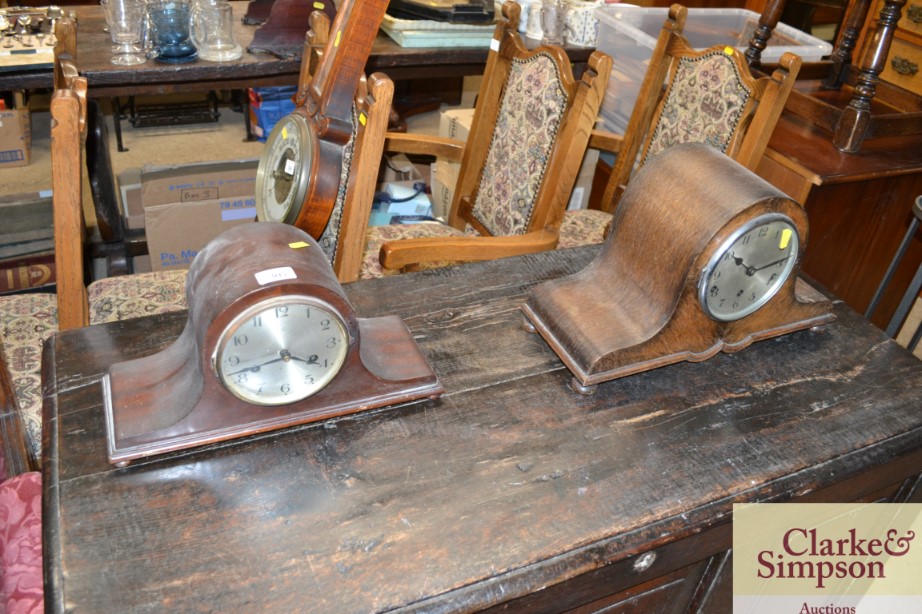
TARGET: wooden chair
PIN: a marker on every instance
(21, 586)
(709, 96)
(529, 132)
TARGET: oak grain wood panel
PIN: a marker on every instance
(510, 483)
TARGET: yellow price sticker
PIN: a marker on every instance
(785, 238)
(284, 132)
(729, 50)
(338, 36)
(362, 119)
(319, 6)
(298, 245)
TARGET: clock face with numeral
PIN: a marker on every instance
(281, 350)
(749, 267)
(284, 170)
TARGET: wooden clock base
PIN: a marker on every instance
(390, 370)
(630, 360)
(639, 304)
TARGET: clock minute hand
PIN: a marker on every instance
(771, 264)
(284, 356)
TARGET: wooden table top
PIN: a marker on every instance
(252, 70)
(510, 483)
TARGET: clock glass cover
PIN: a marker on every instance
(284, 170)
(749, 267)
(281, 350)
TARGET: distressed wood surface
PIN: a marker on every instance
(509, 484)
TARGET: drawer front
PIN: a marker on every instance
(903, 66)
(912, 17)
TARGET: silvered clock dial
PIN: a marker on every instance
(749, 267)
(281, 350)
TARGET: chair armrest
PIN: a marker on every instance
(409, 252)
(423, 144)
(606, 141)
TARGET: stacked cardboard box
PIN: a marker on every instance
(185, 207)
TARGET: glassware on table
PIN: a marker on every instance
(213, 32)
(553, 18)
(125, 18)
(170, 32)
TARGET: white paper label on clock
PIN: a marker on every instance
(290, 167)
(272, 275)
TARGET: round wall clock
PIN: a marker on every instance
(702, 257)
(285, 170)
(271, 341)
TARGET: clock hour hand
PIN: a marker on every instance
(750, 271)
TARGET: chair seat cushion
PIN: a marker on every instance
(376, 236)
(21, 544)
(133, 296)
(583, 227)
(26, 320)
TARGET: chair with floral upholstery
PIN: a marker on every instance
(530, 129)
(20, 511)
(26, 320)
(707, 96)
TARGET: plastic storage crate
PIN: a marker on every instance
(628, 34)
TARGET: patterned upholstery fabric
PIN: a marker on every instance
(21, 544)
(26, 320)
(704, 104)
(376, 236)
(583, 227)
(132, 296)
(329, 240)
(526, 128)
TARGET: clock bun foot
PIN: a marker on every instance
(528, 326)
(581, 388)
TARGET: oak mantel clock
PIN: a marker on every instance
(299, 172)
(271, 341)
(702, 257)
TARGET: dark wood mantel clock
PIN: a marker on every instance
(271, 341)
(299, 172)
(703, 257)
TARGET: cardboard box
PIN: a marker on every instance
(442, 185)
(579, 198)
(15, 137)
(129, 186)
(186, 207)
(456, 123)
(176, 232)
(162, 185)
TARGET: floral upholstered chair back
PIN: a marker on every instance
(707, 101)
(531, 109)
